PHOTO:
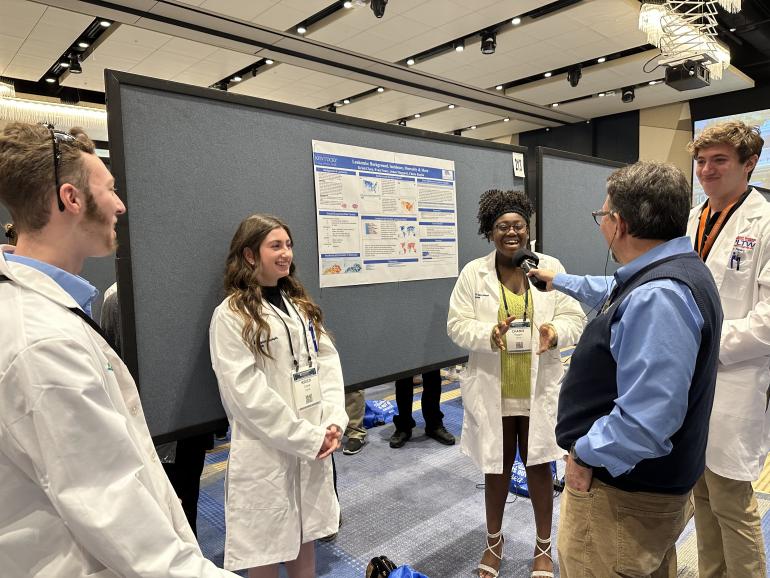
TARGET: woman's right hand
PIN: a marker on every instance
(331, 442)
(499, 330)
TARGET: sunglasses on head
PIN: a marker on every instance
(57, 136)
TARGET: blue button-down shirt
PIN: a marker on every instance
(654, 340)
(81, 290)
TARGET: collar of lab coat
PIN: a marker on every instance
(34, 280)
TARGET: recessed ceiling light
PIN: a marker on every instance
(380, 89)
(601, 94)
(555, 105)
(268, 61)
(459, 45)
(346, 101)
(473, 127)
(451, 106)
(516, 21)
(548, 74)
(653, 82)
(506, 119)
(600, 60)
(64, 64)
(347, 4)
(733, 29)
(499, 87)
(410, 62)
(301, 29)
(236, 79)
(50, 80)
(83, 44)
(337, 104)
(105, 23)
(417, 115)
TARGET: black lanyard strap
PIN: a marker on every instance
(288, 334)
(505, 302)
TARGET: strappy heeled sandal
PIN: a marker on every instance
(500, 541)
(543, 550)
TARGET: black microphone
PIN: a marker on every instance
(527, 260)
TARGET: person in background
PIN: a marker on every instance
(731, 233)
(10, 233)
(634, 406)
(431, 411)
(83, 492)
(281, 385)
(511, 383)
(355, 407)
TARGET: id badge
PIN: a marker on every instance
(518, 339)
(307, 388)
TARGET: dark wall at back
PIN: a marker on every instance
(99, 272)
(191, 164)
(730, 103)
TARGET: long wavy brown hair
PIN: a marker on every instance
(244, 291)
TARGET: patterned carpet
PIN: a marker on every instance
(421, 505)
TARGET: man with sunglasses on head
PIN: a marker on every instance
(83, 492)
(634, 406)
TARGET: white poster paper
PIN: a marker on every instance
(383, 216)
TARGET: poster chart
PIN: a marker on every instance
(383, 216)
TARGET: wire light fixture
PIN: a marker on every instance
(686, 30)
(32, 111)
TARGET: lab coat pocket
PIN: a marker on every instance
(256, 477)
(738, 277)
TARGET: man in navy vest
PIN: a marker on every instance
(634, 407)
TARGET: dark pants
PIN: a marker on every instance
(431, 397)
(185, 473)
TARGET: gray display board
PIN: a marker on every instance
(100, 272)
(570, 186)
(191, 164)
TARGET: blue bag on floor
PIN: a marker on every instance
(519, 477)
(405, 572)
(378, 412)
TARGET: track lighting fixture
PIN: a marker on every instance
(488, 42)
(574, 74)
(627, 94)
(75, 64)
(378, 7)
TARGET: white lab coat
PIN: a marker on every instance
(739, 429)
(473, 310)
(83, 493)
(278, 495)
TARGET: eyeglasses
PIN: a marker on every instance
(56, 137)
(505, 227)
(598, 215)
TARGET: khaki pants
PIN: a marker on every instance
(609, 533)
(355, 406)
(729, 529)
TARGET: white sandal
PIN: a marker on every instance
(542, 551)
(483, 567)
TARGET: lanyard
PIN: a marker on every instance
(505, 302)
(288, 334)
(704, 247)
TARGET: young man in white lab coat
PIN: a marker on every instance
(83, 492)
(731, 233)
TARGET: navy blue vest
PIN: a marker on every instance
(590, 386)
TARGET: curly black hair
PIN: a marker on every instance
(495, 202)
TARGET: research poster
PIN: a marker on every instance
(383, 216)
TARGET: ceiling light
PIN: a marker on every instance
(555, 105)
(268, 61)
(574, 74)
(473, 127)
(687, 30)
(346, 101)
(459, 45)
(378, 7)
(628, 94)
(7, 90)
(488, 42)
(301, 29)
(602, 59)
(105, 23)
(733, 29)
(332, 108)
(417, 115)
(499, 87)
(653, 82)
(410, 61)
(64, 64)
(347, 4)
(516, 21)
(402, 122)
(380, 89)
(75, 64)
(506, 119)
(50, 79)
(601, 94)
(451, 106)
(83, 44)
(548, 74)
(337, 104)
(236, 79)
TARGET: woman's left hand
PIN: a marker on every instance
(548, 338)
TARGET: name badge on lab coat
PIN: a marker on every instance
(518, 339)
(307, 388)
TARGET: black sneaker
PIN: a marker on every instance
(399, 438)
(353, 446)
(441, 435)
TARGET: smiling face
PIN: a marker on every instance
(509, 234)
(721, 173)
(275, 256)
